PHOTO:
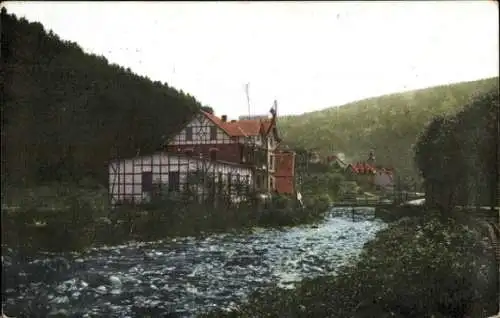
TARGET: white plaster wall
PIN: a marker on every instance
(383, 180)
(161, 165)
(256, 140)
(200, 124)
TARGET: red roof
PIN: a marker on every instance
(241, 128)
(363, 168)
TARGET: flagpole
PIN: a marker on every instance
(248, 97)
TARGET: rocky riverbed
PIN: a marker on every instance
(180, 275)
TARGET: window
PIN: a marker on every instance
(271, 162)
(260, 182)
(220, 184)
(147, 181)
(213, 133)
(243, 158)
(229, 182)
(189, 133)
(213, 154)
(238, 184)
(271, 183)
(173, 181)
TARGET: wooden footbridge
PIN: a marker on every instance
(400, 206)
(373, 201)
(362, 203)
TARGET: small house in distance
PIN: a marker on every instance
(369, 174)
(336, 162)
(384, 179)
(362, 172)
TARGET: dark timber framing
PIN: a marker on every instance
(199, 176)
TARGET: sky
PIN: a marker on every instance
(306, 55)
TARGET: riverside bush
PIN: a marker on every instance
(61, 218)
(53, 218)
(284, 210)
(418, 267)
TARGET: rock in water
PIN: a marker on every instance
(115, 281)
(59, 313)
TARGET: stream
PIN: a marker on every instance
(182, 275)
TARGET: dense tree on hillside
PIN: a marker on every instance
(66, 113)
(388, 124)
(458, 155)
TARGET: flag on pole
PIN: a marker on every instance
(248, 97)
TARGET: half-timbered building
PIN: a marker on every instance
(249, 142)
(228, 152)
(140, 179)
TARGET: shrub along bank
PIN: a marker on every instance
(418, 267)
(69, 217)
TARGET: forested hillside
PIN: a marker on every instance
(65, 113)
(388, 124)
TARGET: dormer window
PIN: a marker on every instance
(271, 162)
(213, 133)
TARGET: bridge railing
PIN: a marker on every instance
(375, 200)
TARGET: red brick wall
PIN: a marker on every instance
(227, 152)
(285, 185)
(285, 164)
(285, 172)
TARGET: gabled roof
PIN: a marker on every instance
(241, 128)
(362, 168)
(337, 159)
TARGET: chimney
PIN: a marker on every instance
(371, 157)
(224, 118)
(274, 109)
(233, 121)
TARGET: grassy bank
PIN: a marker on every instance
(418, 267)
(72, 217)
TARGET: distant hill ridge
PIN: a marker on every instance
(388, 124)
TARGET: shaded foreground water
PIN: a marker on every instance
(183, 275)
